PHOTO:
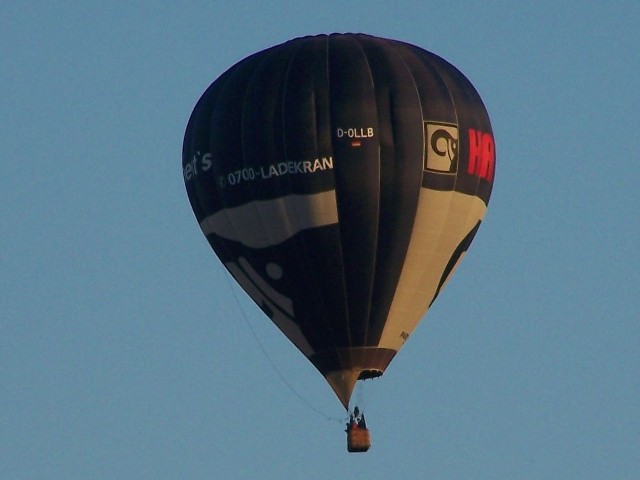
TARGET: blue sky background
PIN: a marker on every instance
(125, 351)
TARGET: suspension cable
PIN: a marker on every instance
(271, 362)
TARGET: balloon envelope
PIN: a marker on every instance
(340, 179)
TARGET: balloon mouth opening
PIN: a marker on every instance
(367, 374)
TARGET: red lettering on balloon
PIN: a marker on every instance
(482, 155)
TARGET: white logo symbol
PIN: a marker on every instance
(441, 149)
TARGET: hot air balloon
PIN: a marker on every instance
(340, 180)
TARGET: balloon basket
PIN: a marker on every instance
(358, 440)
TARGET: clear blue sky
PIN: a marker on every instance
(123, 350)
